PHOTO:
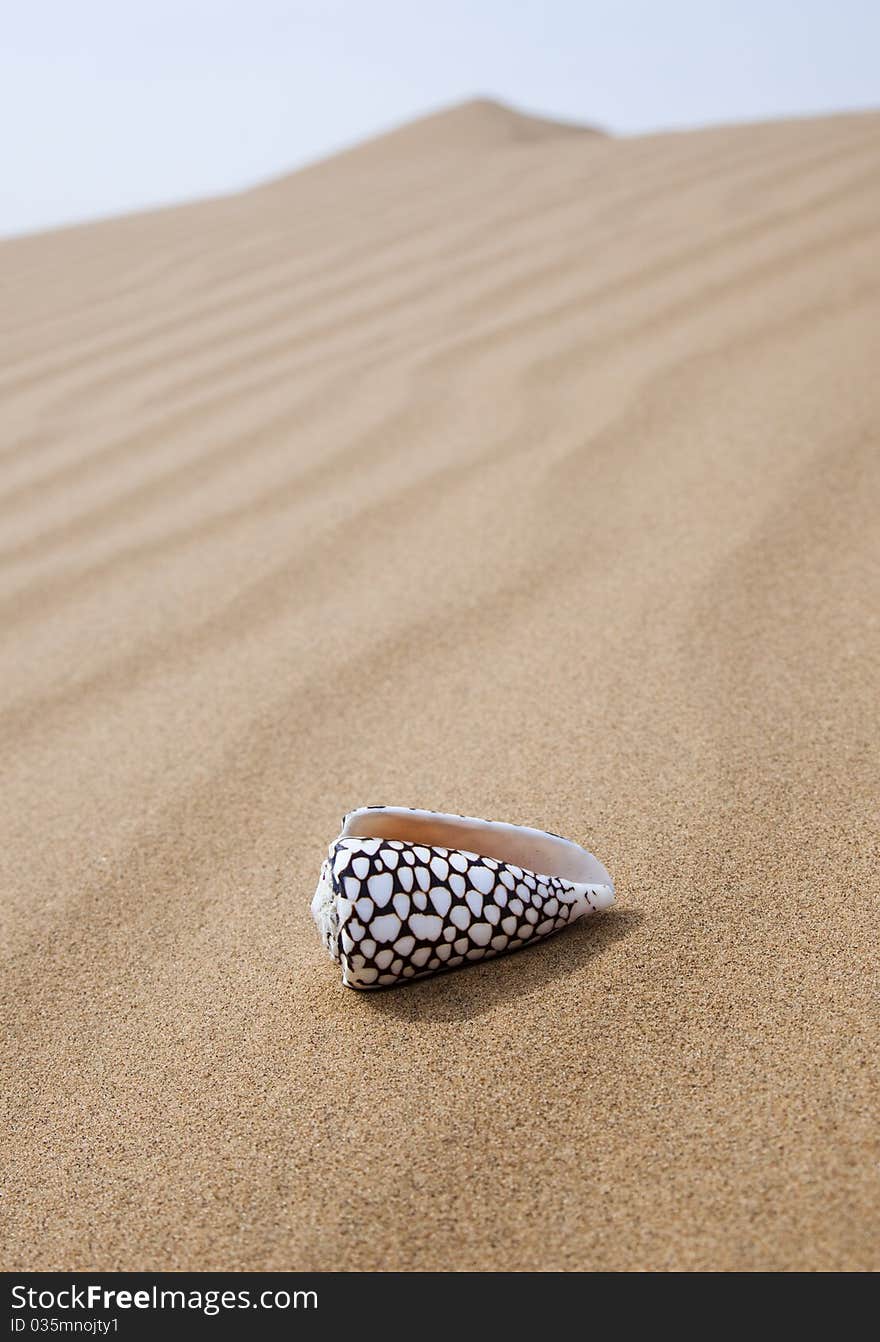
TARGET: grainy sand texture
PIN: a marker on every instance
(492, 467)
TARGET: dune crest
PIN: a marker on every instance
(478, 123)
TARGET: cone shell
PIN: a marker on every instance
(391, 910)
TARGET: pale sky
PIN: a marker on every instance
(108, 106)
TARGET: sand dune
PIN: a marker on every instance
(491, 467)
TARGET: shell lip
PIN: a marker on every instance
(586, 871)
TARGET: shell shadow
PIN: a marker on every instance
(466, 994)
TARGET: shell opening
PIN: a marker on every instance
(532, 849)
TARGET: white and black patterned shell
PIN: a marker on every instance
(390, 910)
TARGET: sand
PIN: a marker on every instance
(489, 467)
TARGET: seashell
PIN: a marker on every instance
(491, 888)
